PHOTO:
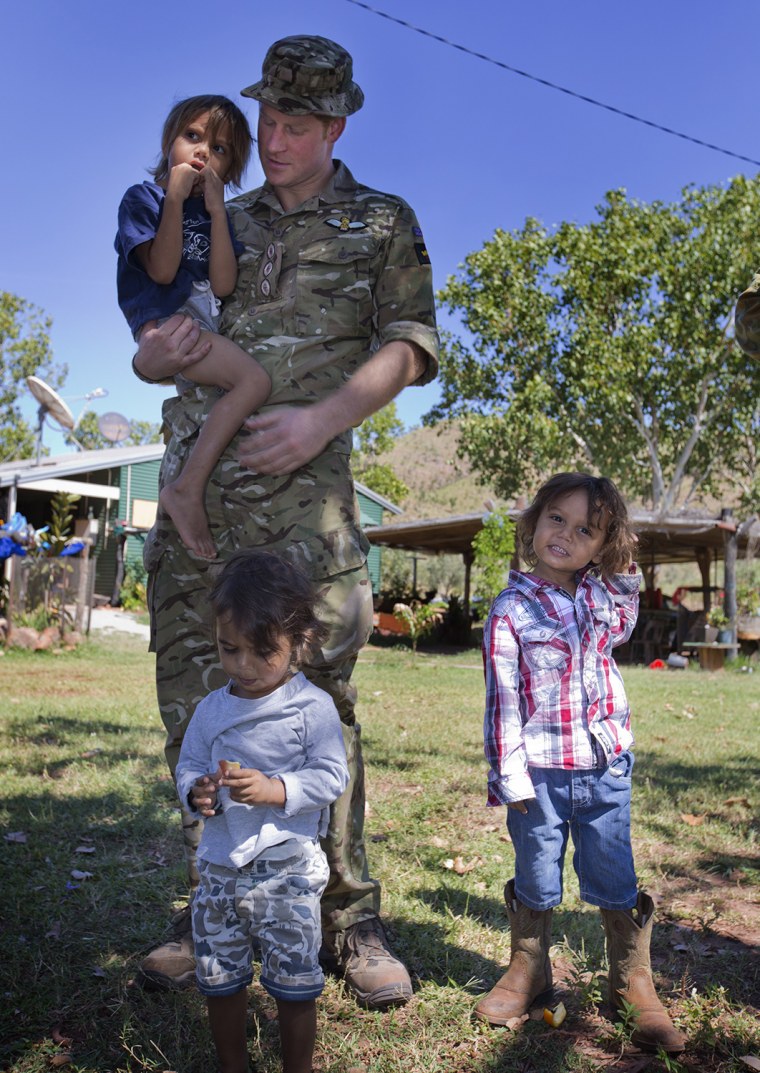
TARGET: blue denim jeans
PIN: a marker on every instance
(595, 807)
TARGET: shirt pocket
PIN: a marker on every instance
(257, 309)
(544, 649)
(334, 291)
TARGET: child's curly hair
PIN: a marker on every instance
(607, 511)
(267, 599)
(222, 112)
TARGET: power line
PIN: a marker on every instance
(555, 85)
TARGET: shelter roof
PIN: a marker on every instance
(672, 539)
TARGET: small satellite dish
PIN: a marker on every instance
(114, 427)
(50, 403)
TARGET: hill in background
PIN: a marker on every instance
(440, 484)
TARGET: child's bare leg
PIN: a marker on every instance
(247, 386)
(298, 1034)
(227, 1016)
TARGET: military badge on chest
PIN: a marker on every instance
(268, 274)
(343, 223)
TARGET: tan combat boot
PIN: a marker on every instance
(529, 976)
(629, 933)
(171, 966)
(362, 956)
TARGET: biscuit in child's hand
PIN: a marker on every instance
(225, 766)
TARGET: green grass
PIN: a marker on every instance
(83, 770)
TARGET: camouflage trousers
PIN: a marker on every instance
(272, 905)
(187, 664)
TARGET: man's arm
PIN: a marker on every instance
(282, 441)
(748, 319)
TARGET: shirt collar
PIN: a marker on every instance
(340, 184)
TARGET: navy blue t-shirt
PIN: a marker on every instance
(140, 299)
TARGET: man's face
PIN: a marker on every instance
(296, 151)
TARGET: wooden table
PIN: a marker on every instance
(712, 655)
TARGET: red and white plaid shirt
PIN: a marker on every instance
(554, 695)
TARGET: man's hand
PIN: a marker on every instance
(176, 345)
(519, 806)
(252, 787)
(282, 441)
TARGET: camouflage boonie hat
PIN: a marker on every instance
(305, 75)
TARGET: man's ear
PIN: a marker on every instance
(335, 128)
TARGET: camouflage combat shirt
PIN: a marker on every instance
(748, 319)
(320, 289)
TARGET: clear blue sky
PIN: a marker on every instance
(472, 147)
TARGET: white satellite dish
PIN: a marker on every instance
(115, 427)
(50, 403)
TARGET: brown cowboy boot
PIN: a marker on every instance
(629, 933)
(529, 976)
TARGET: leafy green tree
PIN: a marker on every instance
(90, 438)
(609, 346)
(24, 351)
(373, 438)
(494, 547)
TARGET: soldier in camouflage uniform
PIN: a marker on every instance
(334, 299)
(748, 319)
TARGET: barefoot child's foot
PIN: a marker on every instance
(189, 515)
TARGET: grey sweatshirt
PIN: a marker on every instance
(293, 734)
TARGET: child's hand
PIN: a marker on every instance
(183, 179)
(212, 189)
(203, 795)
(252, 787)
(519, 806)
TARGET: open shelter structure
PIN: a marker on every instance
(680, 538)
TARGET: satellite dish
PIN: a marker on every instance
(114, 427)
(50, 403)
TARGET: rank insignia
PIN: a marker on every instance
(422, 254)
(344, 224)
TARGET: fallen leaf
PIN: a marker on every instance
(693, 821)
(515, 1022)
(58, 1037)
(76, 874)
(84, 849)
(99, 972)
(378, 838)
(15, 836)
(738, 801)
(55, 931)
(438, 842)
(462, 867)
(62, 1059)
(750, 1060)
(90, 753)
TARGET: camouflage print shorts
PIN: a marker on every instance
(272, 904)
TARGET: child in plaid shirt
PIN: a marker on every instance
(558, 742)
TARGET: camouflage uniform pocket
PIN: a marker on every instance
(334, 287)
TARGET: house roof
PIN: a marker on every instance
(27, 473)
(669, 540)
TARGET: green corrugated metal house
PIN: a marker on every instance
(118, 489)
